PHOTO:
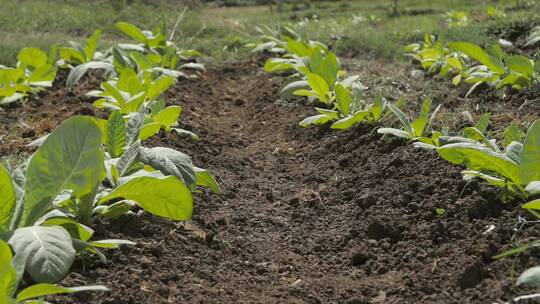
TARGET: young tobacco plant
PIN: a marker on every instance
(435, 57)
(513, 170)
(130, 91)
(45, 240)
(34, 72)
(349, 107)
(134, 93)
(78, 54)
(158, 49)
(159, 180)
(10, 278)
(414, 130)
(497, 68)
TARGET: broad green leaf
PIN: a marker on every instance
(112, 91)
(318, 84)
(521, 64)
(132, 31)
(297, 48)
(532, 205)
(133, 126)
(491, 180)
(273, 65)
(483, 122)
(476, 135)
(114, 210)
(91, 45)
(129, 82)
(169, 162)
(72, 55)
(7, 199)
(116, 134)
(530, 159)
(308, 93)
(75, 229)
(49, 251)
(512, 133)
(351, 120)
(33, 57)
(42, 77)
(78, 72)
(394, 132)
(149, 130)
(514, 151)
(475, 52)
(403, 118)
(205, 179)
(317, 120)
(41, 290)
(8, 274)
(479, 158)
(167, 197)
(530, 276)
(128, 158)
(159, 87)
(168, 117)
(288, 90)
(420, 123)
(343, 99)
(70, 159)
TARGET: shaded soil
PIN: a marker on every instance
(306, 215)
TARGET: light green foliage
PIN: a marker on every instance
(152, 53)
(34, 72)
(457, 18)
(415, 129)
(512, 169)
(78, 54)
(157, 48)
(130, 91)
(70, 159)
(497, 68)
(9, 281)
(435, 57)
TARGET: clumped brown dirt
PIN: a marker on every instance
(306, 215)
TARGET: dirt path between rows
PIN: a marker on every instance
(306, 215)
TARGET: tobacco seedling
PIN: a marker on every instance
(130, 91)
(78, 54)
(157, 48)
(34, 72)
(512, 169)
(10, 278)
(435, 57)
(411, 130)
(498, 69)
(45, 240)
(349, 107)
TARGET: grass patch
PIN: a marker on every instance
(221, 32)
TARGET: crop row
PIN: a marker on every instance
(90, 167)
(512, 165)
(469, 63)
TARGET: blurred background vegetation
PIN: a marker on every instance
(220, 28)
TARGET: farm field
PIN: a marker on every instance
(241, 152)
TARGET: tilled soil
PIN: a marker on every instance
(307, 215)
